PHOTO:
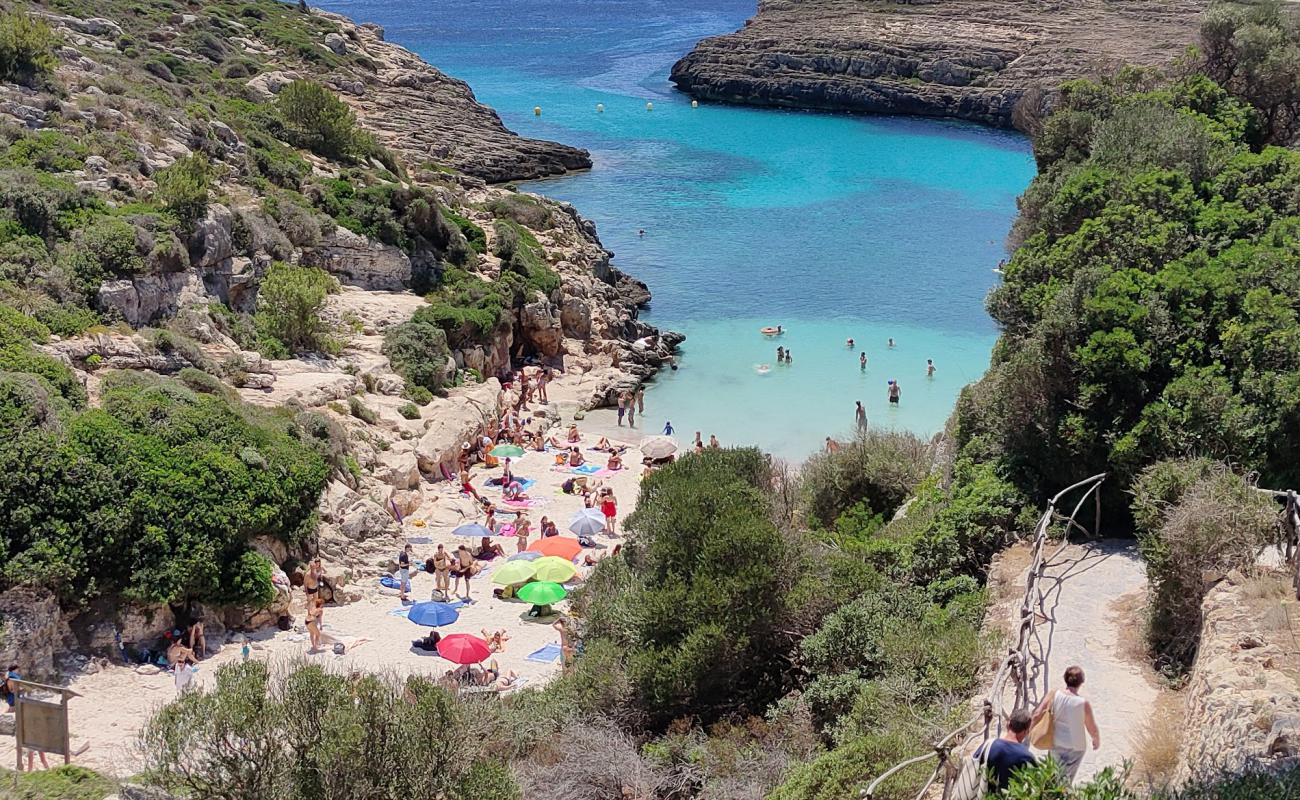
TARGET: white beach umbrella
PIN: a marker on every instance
(657, 447)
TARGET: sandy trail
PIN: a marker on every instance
(117, 701)
(1082, 588)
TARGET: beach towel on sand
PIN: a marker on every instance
(546, 655)
(530, 503)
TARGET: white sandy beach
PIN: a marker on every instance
(117, 701)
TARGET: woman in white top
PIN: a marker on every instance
(1072, 723)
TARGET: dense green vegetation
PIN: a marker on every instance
(418, 350)
(154, 495)
(289, 305)
(59, 783)
(1151, 310)
(1044, 783)
(309, 733)
(26, 49)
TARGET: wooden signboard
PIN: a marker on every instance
(41, 721)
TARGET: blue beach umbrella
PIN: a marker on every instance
(527, 555)
(432, 615)
(472, 529)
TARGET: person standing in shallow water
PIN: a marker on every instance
(929, 368)
(894, 392)
(862, 361)
(860, 413)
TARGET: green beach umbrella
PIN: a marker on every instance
(506, 451)
(541, 593)
(513, 572)
(554, 569)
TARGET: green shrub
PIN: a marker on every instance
(878, 469)
(317, 120)
(1197, 520)
(474, 235)
(183, 187)
(40, 203)
(62, 782)
(106, 247)
(418, 350)
(373, 724)
(409, 411)
(154, 457)
(521, 254)
(289, 305)
(16, 327)
(26, 48)
(46, 150)
(24, 358)
(361, 411)
(418, 394)
(701, 611)
(522, 209)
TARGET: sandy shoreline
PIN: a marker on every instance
(116, 701)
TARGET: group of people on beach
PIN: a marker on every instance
(631, 403)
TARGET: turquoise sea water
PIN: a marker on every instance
(833, 226)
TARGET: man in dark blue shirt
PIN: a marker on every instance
(1008, 753)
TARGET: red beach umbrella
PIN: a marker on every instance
(564, 547)
(463, 648)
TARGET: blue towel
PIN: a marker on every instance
(389, 582)
(547, 655)
(587, 469)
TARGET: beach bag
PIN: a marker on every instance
(970, 783)
(1042, 734)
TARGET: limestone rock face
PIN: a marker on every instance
(454, 422)
(422, 114)
(971, 59)
(32, 631)
(1243, 708)
(143, 299)
(541, 327)
(358, 261)
(211, 242)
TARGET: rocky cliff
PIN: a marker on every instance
(1243, 695)
(152, 179)
(970, 59)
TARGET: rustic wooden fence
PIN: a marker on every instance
(1021, 675)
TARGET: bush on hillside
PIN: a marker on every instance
(183, 187)
(105, 248)
(1197, 520)
(418, 350)
(877, 469)
(26, 49)
(1252, 51)
(154, 496)
(699, 612)
(1044, 782)
(316, 119)
(374, 737)
(527, 211)
(289, 304)
(521, 254)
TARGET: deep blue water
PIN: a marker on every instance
(831, 225)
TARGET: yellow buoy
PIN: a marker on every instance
(537, 111)
(695, 104)
(600, 108)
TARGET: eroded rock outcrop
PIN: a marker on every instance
(971, 59)
(1243, 697)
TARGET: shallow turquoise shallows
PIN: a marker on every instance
(833, 226)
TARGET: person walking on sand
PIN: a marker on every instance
(894, 392)
(1072, 723)
(860, 414)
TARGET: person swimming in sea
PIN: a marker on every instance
(891, 342)
(640, 232)
(849, 343)
(862, 360)
(780, 354)
(929, 368)
(787, 355)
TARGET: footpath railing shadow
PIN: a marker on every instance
(1021, 677)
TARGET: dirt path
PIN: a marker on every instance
(1083, 588)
